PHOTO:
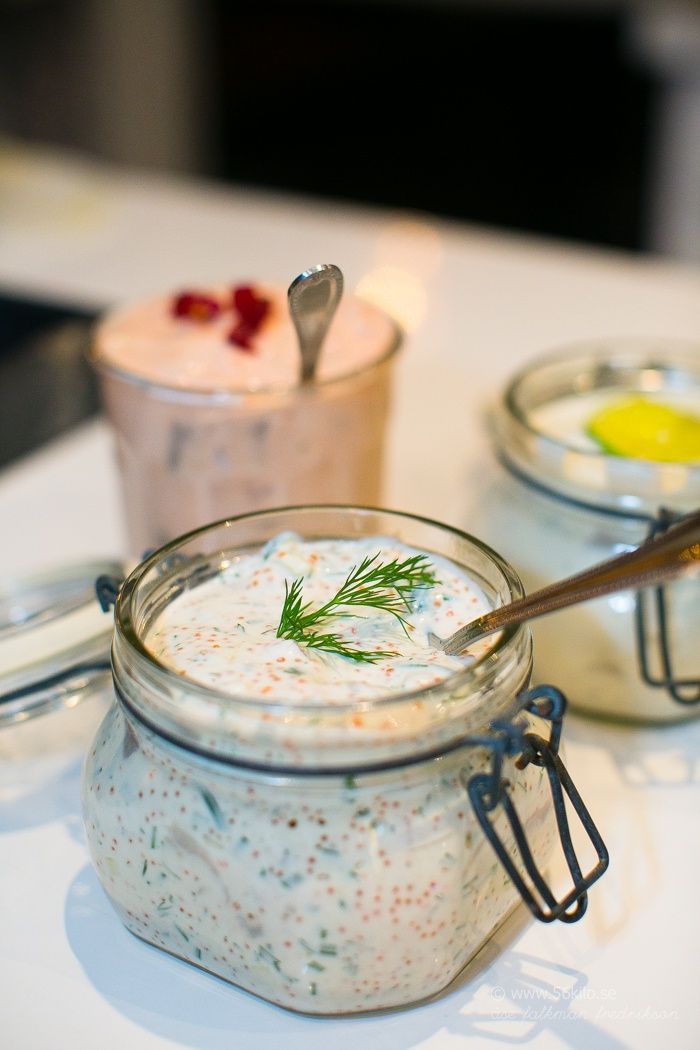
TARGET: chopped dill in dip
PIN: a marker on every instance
(223, 633)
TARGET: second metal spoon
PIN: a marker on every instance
(675, 552)
(313, 298)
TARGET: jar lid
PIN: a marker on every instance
(541, 423)
(55, 640)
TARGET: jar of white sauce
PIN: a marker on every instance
(335, 853)
(556, 503)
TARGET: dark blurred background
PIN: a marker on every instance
(576, 119)
(551, 116)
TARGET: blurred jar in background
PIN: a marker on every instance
(558, 503)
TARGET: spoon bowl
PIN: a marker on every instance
(313, 298)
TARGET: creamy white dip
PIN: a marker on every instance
(223, 632)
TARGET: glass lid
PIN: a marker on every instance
(55, 639)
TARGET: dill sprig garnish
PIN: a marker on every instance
(385, 586)
(333, 643)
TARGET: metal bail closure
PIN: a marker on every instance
(652, 621)
(107, 590)
(489, 790)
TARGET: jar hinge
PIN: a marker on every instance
(650, 604)
(106, 590)
(488, 790)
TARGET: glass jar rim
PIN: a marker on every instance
(128, 632)
(608, 481)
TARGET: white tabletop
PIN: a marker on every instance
(478, 305)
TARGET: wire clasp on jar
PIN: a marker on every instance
(487, 791)
(652, 625)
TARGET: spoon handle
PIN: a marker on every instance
(675, 552)
(313, 298)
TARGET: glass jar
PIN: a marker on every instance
(54, 683)
(327, 859)
(188, 456)
(555, 505)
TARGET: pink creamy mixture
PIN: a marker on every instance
(148, 340)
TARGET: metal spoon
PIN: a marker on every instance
(675, 552)
(313, 298)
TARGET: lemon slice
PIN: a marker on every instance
(643, 429)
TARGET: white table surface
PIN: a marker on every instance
(479, 305)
